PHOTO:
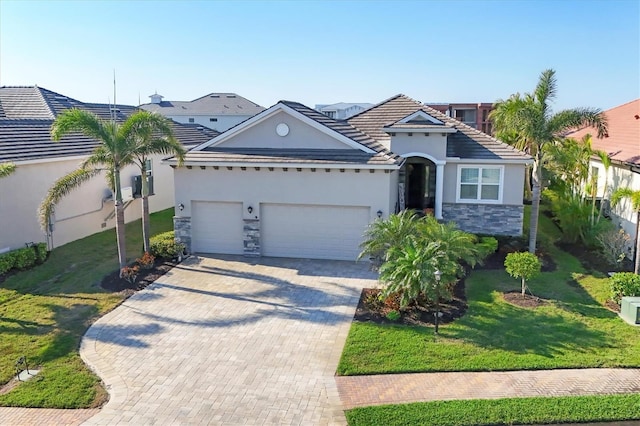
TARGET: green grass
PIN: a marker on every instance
(45, 311)
(574, 330)
(501, 411)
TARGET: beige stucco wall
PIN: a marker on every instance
(253, 187)
(79, 214)
(224, 122)
(434, 145)
(301, 135)
(619, 177)
(513, 180)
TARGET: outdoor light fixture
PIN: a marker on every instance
(379, 214)
(436, 314)
(250, 209)
(180, 206)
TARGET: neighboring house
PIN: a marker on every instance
(342, 110)
(622, 144)
(475, 115)
(26, 115)
(217, 111)
(292, 182)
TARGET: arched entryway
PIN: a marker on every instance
(421, 184)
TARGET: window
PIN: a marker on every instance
(149, 167)
(481, 184)
(192, 120)
(213, 120)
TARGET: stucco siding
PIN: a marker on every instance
(435, 145)
(301, 135)
(79, 214)
(224, 122)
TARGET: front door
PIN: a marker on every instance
(420, 184)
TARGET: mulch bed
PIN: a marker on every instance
(372, 310)
(114, 283)
(527, 301)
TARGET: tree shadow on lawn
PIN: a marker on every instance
(522, 331)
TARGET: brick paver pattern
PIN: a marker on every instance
(44, 416)
(229, 341)
(360, 391)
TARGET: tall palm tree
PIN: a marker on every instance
(149, 134)
(111, 155)
(6, 169)
(531, 118)
(606, 163)
(634, 197)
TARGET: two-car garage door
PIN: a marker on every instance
(286, 230)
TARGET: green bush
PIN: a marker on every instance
(24, 258)
(487, 246)
(6, 262)
(165, 245)
(624, 284)
(523, 265)
(41, 252)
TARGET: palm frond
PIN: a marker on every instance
(60, 189)
(626, 193)
(546, 88)
(77, 120)
(6, 169)
(576, 118)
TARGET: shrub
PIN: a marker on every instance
(41, 252)
(146, 261)
(393, 315)
(165, 245)
(130, 273)
(24, 258)
(624, 284)
(6, 262)
(486, 246)
(614, 246)
(523, 265)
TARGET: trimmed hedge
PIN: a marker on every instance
(165, 245)
(23, 258)
(624, 284)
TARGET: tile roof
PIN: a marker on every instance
(466, 143)
(623, 140)
(288, 156)
(27, 115)
(211, 104)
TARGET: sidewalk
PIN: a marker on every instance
(361, 391)
(44, 416)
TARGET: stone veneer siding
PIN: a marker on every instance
(488, 219)
(182, 228)
(251, 236)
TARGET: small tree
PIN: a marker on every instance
(523, 265)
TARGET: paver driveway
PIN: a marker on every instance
(229, 341)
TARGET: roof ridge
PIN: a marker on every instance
(45, 101)
(399, 95)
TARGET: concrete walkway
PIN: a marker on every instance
(361, 391)
(44, 416)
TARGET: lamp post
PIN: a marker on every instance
(436, 314)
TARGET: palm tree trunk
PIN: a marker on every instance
(604, 194)
(145, 209)
(637, 252)
(120, 229)
(527, 183)
(535, 203)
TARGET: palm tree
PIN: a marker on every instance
(150, 133)
(634, 197)
(111, 155)
(530, 117)
(606, 162)
(6, 169)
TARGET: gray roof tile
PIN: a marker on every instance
(211, 104)
(466, 143)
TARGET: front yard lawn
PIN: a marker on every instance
(501, 411)
(45, 311)
(574, 330)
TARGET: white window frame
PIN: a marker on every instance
(479, 200)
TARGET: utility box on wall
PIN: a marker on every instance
(630, 309)
(137, 186)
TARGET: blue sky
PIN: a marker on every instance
(324, 52)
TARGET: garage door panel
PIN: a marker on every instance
(313, 231)
(216, 227)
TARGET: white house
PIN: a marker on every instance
(26, 115)
(342, 110)
(217, 111)
(292, 182)
(622, 144)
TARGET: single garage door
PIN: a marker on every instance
(216, 227)
(312, 231)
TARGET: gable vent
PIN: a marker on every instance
(231, 96)
(215, 96)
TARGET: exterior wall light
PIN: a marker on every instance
(180, 206)
(250, 209)
(379, 213)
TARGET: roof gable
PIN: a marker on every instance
(312, 131)
(211, 104)
(420, 117)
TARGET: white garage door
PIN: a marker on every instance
(313, 232)
(216, 227)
